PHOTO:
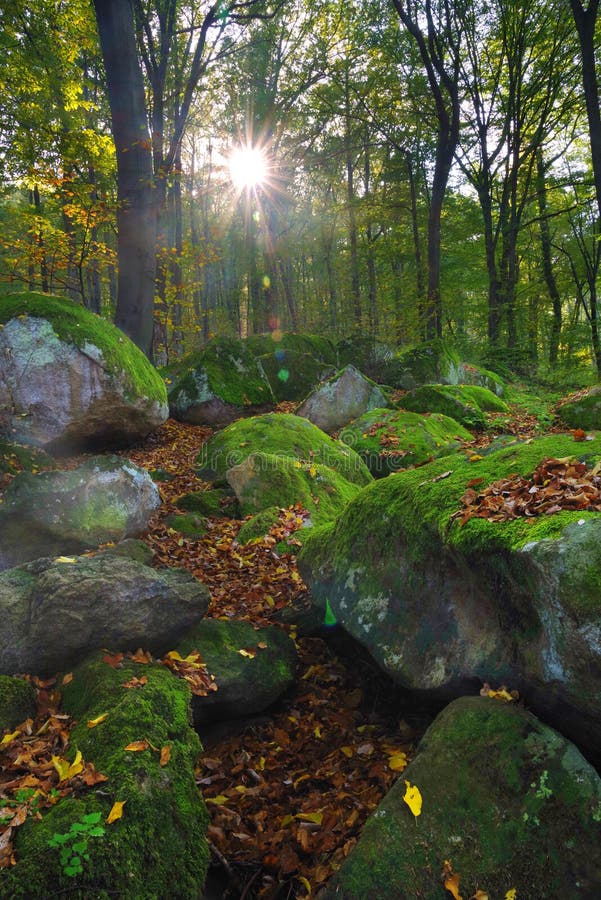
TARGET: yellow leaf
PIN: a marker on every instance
(413, 799)
(398, 762)
(165, 755)
(317, 731)
(312, 471)
(92, 723)
(66, 559)
(315, 817)
(451, 883)
(246, 653)
(348, 751)
(137, 746)
(76, 766)
(501, 694)
(219, 800)
(173, 654)
(305, 884)
(286, 821)
(511, 894)
(479, 895)
(9, 737)
(297, 464)
(475, 457)
(116, 811)
(61, 766)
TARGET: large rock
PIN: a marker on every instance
(293, 375)
(317, 346)
(345, 396)
(264, 480)
(54, 612)
(467, 404)
(218, 385)
(389, 440)
(71, 380)
(281, 434)
(158, 848)
(105, 499)
(582, 410)
(443, 606)
(253, 667)
(507, 801)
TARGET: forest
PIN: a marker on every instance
(424, 169)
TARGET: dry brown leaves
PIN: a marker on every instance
(556, 484)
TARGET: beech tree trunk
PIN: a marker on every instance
(136, 214)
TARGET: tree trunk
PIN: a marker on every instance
(136, 214)
(585, 21)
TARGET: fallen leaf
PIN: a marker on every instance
(315, 817)
(250, 653)
(68, 678)
(413, 799)
(137, 746)
(305, 884)
(92, 723)
(219, 800)
(8, 738)
(116, 811)
(398, 761)
(113, 659)
(479, 895)
(165, 755)
(511, 894)
(579, 434)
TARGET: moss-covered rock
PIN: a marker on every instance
(16, 458)
(340, 399)
(69, 379)
(365, 353)
(104, 499)
(442, 606)
(17, 702)
(508, 801)
(389, 440)
(247, 682)
(317, 346)
(293, 375)
(431, 362)
(264, 480)
(190, 524)
(158, 848)
(282, 434)
(219, 384)
(258, 525)
(582, 411)
(218, 503)
(467, 404)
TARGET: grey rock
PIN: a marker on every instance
(343, 397)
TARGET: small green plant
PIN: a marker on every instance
(73, 844)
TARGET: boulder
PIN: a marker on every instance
(508, 802)
(284, 435)
(265, 480)
(258, 526)
(190, 524)
(218, 503)
(70, 380)
(218, 385)
(317, 346)
(248, 681)
(55, 612)
(343, 397)
(388, 440)
(467, 404)
(15, 458)
(105, 499)
(17, 702)
(293, 375)
(158, 847)
(443, 606)
(365, 353)
(436, 362)
(583, 410)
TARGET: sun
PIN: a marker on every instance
(248, 167)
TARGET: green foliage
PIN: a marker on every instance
(73, 844)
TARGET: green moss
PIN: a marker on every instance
(258, 526)
(583, 411)
(79, 326)
(191, 524)
(402, 439)
(292, 375)
(316, 346)
(164, 820)
(217, 503)
(15, 458)
(17, 702)
(277, 433)
(464, 403)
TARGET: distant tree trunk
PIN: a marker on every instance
(585, 20)
(40, 239)
(136, 214)
(350, 195)
(546, 260)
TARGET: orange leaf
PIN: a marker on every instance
(165, 755)
(68, 678)
(579, 434)
(137, 746)
(116, 811)
(113, 659)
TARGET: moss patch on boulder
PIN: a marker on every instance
(521, 809)
(17, 702)
(190, 524)
(284, 435)
(218, 503)
(15, 458)
(316, 346)
(247, 682)
(464, 403)
(258, 526)
(293, 375)
(164, 821)
(582, 411)
(389, 440)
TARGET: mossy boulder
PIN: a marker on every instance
(264, 480)
(53, 613)
(219, 384)
(16, 458)
(443, 607)
(470, 373)
(344, 396)
(258, 525)
(293, 375)
(218, 503)
(431, 362)
(106, 498)
(365, 353)
(582, 411)
(70, 380)
(190, 524)
(158, 848)
(282, 434)
(17, 702)
(248, 681)
(316, 346)
(389, 440)
(467, 404)
(507, 800)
